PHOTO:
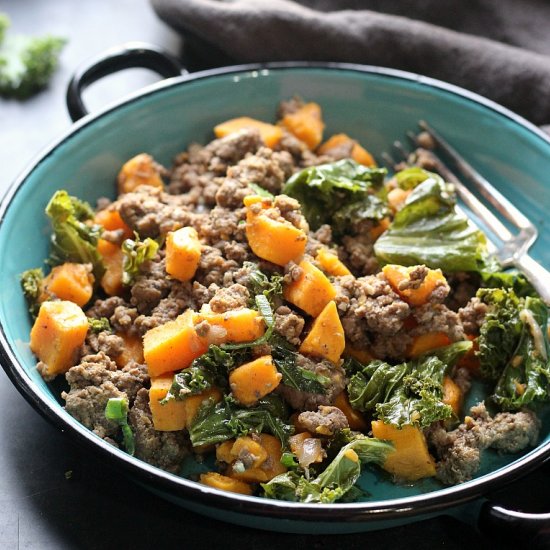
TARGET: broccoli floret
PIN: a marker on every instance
(26, 62)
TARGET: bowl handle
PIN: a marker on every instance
(524, 529)
(129, 55)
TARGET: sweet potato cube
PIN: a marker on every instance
(410, 460)
(169, 417)
(132, 351)
(224, 483)
(183, 253)
(362, 355)
(240, 325)
(223, 451)
(193, 403)
(312, 291)
(270, 134)
(344, 146)
(415, 296)
(330, 263)
(428, 342)
(326, 338)
(277, 241)
(452, 395)
(254, 380)
(70, 281)
(56, 336)
(172, 346)
(269, 468)
(379, 228)
(355, 418)
(110, 219)
(248, 450)
(139, 170)
(306, 124)
(113, 259)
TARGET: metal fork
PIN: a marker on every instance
(513, 248)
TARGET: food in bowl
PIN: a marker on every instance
(277, 306)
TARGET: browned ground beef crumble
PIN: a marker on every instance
(205, 190)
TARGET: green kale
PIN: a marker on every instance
(325, 189)
(26, 63)
(117, 410)
(136, 252)
(99, 325)
(508, 279)
(526, 376)
(73, 240)
(260, 191)
(407, 393)
(430, 230)
(259, 283)
(336, 480)
(31, 282)
(351, 216)
(217, 422)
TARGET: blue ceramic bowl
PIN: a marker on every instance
(375, 106)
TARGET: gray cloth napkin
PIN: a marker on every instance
(497, 48)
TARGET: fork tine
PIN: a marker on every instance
(499, 201)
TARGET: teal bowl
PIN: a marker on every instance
(375, 106)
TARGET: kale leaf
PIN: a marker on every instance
(31, 282)
(325, 189)
(259, 283)
(136, 252)
(99, 325)
(73, 240)
(430, 230)
(117, 411)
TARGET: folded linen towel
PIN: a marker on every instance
(497, 48)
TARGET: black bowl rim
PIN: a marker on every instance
(189, 491)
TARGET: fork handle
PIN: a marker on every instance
(537, 275)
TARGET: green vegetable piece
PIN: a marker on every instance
(99, 325)
(72, 239)
(136, 252)
(261, 191)
(430, 230)
(117, 411)
(26, 63)
(323, 190)
(31, 282)
(259, 283)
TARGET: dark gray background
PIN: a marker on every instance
(98, 508)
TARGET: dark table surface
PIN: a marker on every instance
(97, 506)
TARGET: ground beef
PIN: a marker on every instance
(222, 225)
(150, 286)
(459, 451)
(266, 168)
(105, 308)
(438, 318)
(319, 239)
(105, 341)
(231, 193)
(152, 212)
(393, 347)
(214, 268)
(324, 421)
(306, 401)
(463, 379)
(232, 297)
(473, 315)
(289, 324)
(289, 106)
(231, 149)
(120, 314)
(93, 382)
(165, 450)
(357, 253)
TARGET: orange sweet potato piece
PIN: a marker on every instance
(70, 281)
(270, 134)
(254, 380)
(139, 170)
(110, 219)
(224, 483)
(194, 402)
(133, 349)
(56, 336)
(326, 338)
(427, 342)
(240, 325)
(397, 274)
(244, 448)
(277, 241)
(330, 263)
(355, 418)
(113, 259)
(362, 355)
(183, 253)
(169, 417)
(411, 460)
(343, 141)
(306, 124)
(379, 228)
(452, 394)
(269, 468)
(312, 291)
(172, 346)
